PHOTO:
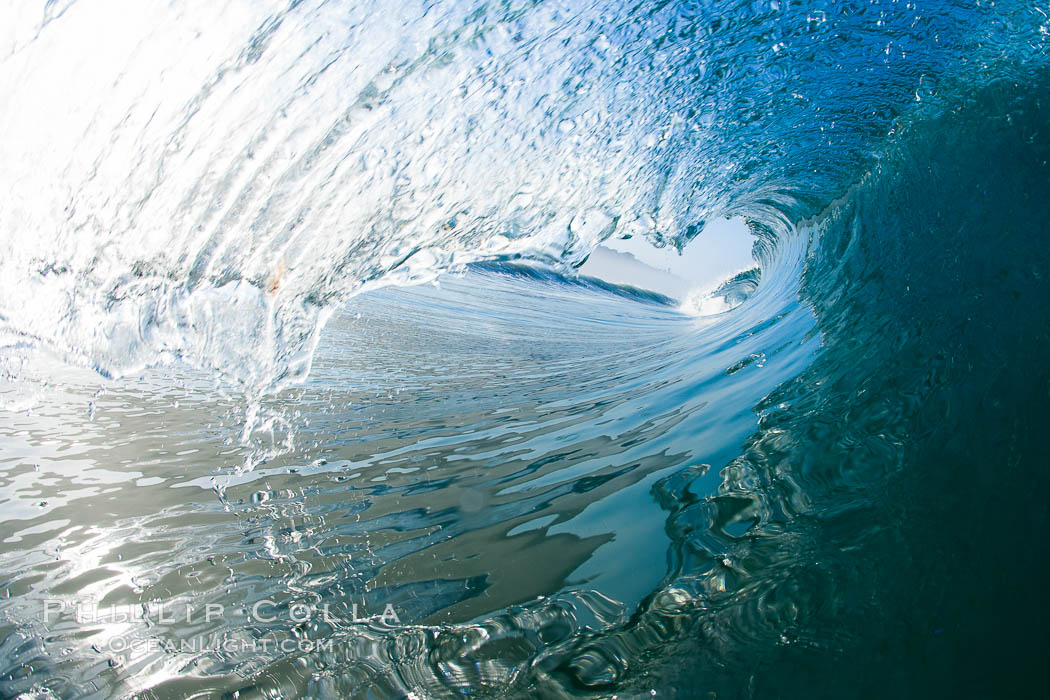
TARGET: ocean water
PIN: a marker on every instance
(302, 395)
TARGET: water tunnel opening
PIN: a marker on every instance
(721, 252)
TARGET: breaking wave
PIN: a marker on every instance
(834, 474)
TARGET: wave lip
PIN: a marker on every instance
(318, 150)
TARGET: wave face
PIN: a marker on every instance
(562, 488)
(205, 183)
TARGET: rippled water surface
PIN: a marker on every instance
(483, 455)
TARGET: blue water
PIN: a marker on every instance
(289, 315)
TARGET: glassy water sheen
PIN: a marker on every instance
(224, 387)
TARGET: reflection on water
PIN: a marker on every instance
(479, 467)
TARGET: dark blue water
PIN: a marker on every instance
(562, 488)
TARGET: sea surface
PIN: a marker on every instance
(302, 394)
